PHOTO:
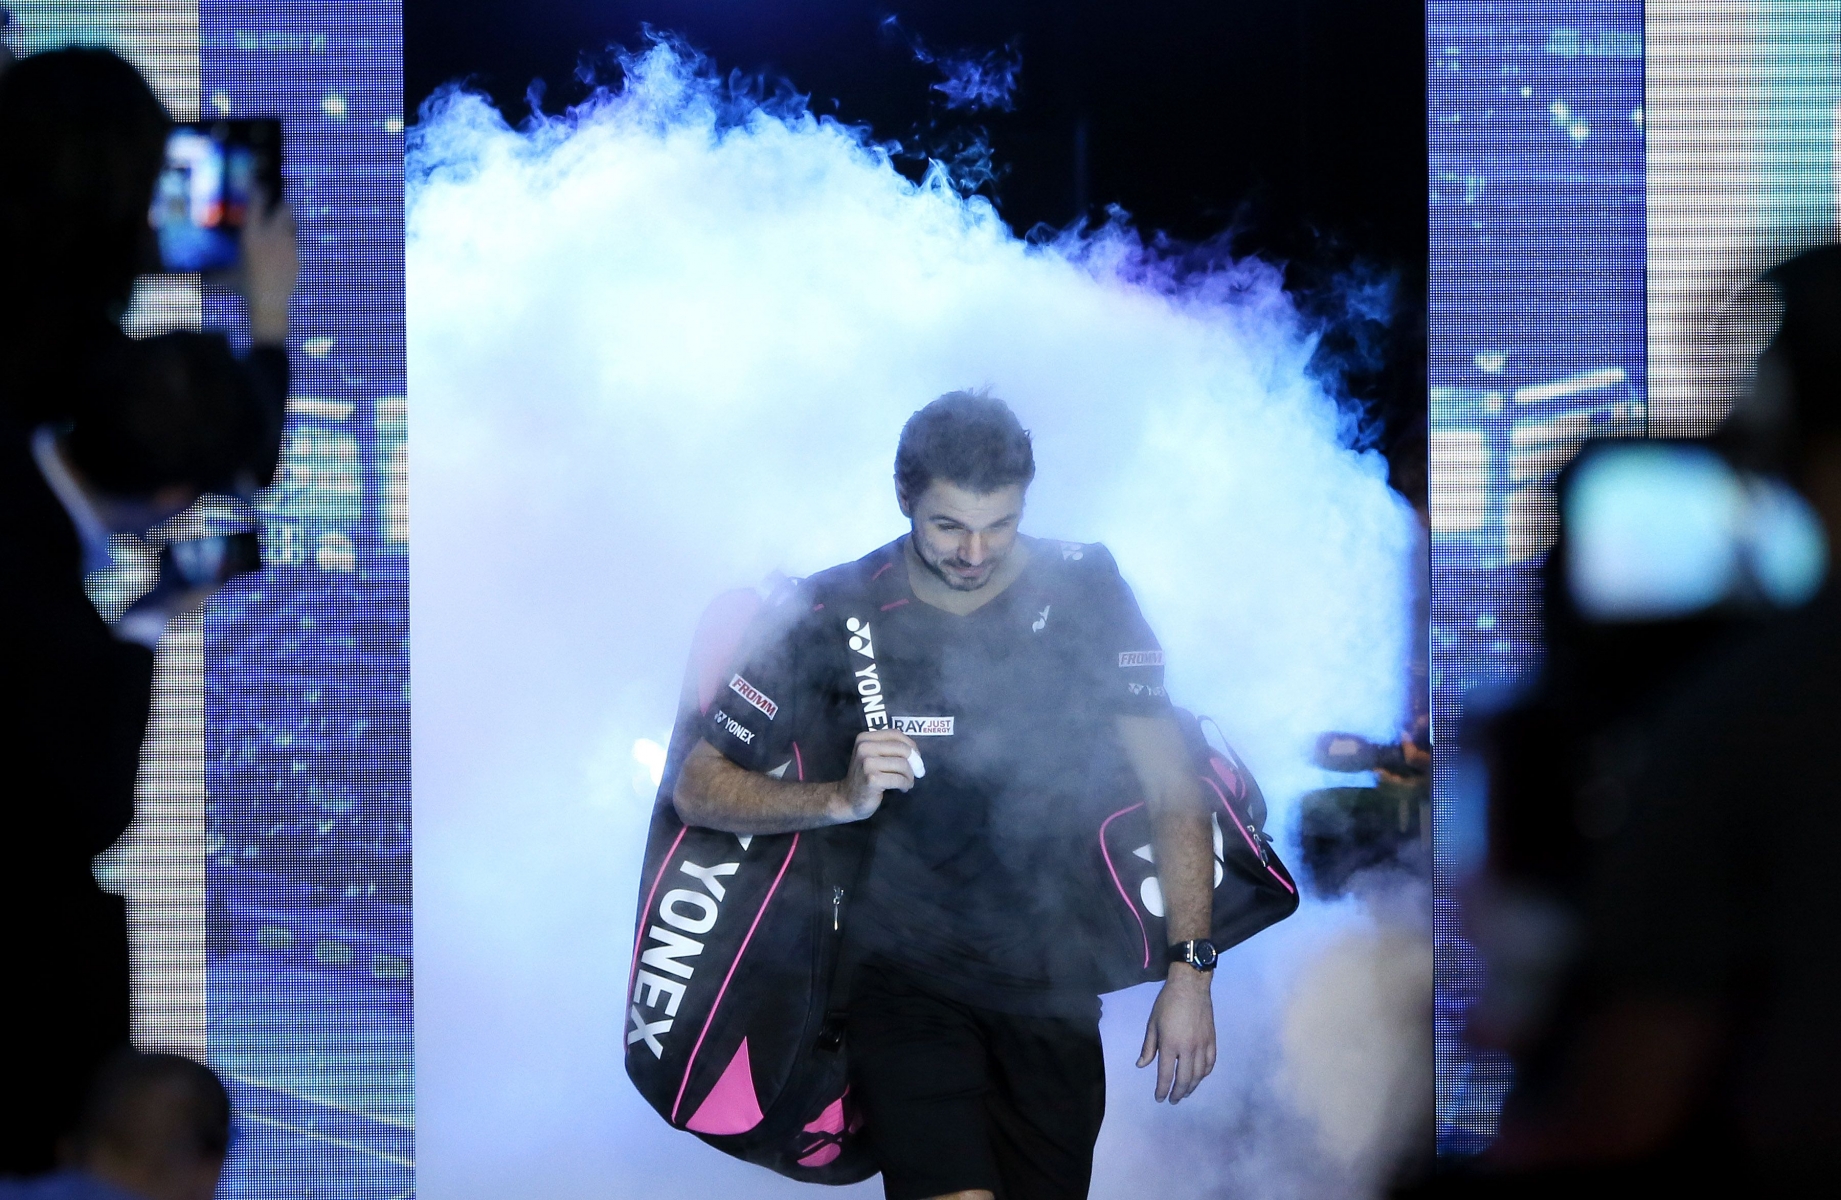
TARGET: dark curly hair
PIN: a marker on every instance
(85, 138)
(971, 439)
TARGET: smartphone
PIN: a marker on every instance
(208, 561)
(201, 203)
(1660, 530)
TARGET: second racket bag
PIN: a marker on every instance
(1252, 888)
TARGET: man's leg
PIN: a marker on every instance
(1045, 1104)
(918, 1069)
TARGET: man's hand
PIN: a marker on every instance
(147, 618)
(878, 764)
(1181, 1032)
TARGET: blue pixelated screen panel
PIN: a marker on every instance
(1536, 342)
(307, 671)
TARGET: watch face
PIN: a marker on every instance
(1200, 954)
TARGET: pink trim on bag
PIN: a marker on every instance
(881, 571)
(1107, 855)
(1232, 780)
(1247, 837)
(832, 1119)
(731, 1106)
(639, 935)
(720, 992)
(798, 762)
(896, 604)
(825, 1154)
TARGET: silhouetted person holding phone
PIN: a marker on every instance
(99, 434)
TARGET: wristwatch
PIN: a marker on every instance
(1199, 954)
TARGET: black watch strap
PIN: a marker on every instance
(1199, 954)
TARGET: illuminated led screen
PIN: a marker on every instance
(267, 871)
(1605, 178)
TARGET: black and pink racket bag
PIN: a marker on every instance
(1253, 890)
(730, 1031)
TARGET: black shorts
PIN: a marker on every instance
(956, 1097)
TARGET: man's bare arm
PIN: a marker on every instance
(716, 794)
(1180, 833)
(1181, 1031)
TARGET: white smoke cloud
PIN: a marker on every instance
(664, 347)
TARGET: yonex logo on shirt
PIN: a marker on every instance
(1141, 658)
(924, 726)
(735, 728)
(868, 683)
(1145, 689)
(753, 695)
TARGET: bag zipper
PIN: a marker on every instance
(837, 908)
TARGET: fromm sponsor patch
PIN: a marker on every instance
(753, 695)
(1141, 658)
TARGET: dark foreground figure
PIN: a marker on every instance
(1008, 673)
(1692, 1043)
(100, 434)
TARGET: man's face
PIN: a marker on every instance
(962, 536)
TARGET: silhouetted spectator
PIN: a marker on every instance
(99, 433)
(156, 1127)
(1700, 1047)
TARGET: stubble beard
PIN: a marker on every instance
(939, 572)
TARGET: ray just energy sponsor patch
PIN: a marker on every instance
(923, 726)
